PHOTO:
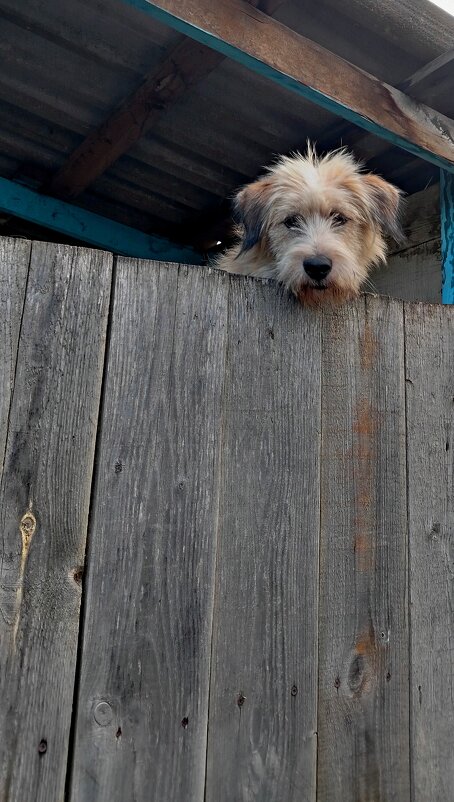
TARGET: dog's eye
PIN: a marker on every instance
(293, 222)
(338, 219)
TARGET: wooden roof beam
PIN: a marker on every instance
(430, 72)
(418, 85)
(267, 47)
(184, 66)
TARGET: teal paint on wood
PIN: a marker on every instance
(88, 227)
(209, 39)
(447, 235)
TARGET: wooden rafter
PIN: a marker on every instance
(430, 72)
(265, 46)
(184, 66)
(419, 85)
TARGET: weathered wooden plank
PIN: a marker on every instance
(421, 218)
(363, 725)
(280, 54)
(143, 696)
(429, 336)
(414, 274)
(14, 260)
(447, 235)
(263, 697)
(44, 502)
(420, 85)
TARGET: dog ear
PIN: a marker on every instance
(250, 207)
(385, 200)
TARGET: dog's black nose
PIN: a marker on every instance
(317, 267)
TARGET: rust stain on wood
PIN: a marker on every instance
(364, 454)
(365, 643)
(364, 458)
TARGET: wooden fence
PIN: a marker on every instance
(227, 565)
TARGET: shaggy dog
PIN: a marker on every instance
(315, 224)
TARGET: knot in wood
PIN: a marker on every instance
(241, 700)
(27, 527)
(103, 714)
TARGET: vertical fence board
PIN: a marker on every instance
(429, 334)
(363, 632)
(14, 260)
(143, 696)
(262, 723)
(44, 502)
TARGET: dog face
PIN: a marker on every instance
(316, 224)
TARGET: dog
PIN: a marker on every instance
(317, 224)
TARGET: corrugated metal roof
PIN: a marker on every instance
(67, 65)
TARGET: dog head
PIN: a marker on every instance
(321, 222)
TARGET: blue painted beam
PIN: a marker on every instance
(447, 236)
(88, 227)
(174, 19)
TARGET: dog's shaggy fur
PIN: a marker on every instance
(316, 224)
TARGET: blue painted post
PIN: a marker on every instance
(88, 227)
(447, 236)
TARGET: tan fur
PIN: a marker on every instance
(314, 190)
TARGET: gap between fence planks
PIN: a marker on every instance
(55, 325)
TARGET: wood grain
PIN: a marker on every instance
(429, 336)
(262, 724)
(363, 724)
(44, 502)
(143, 697)
(413, 274)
